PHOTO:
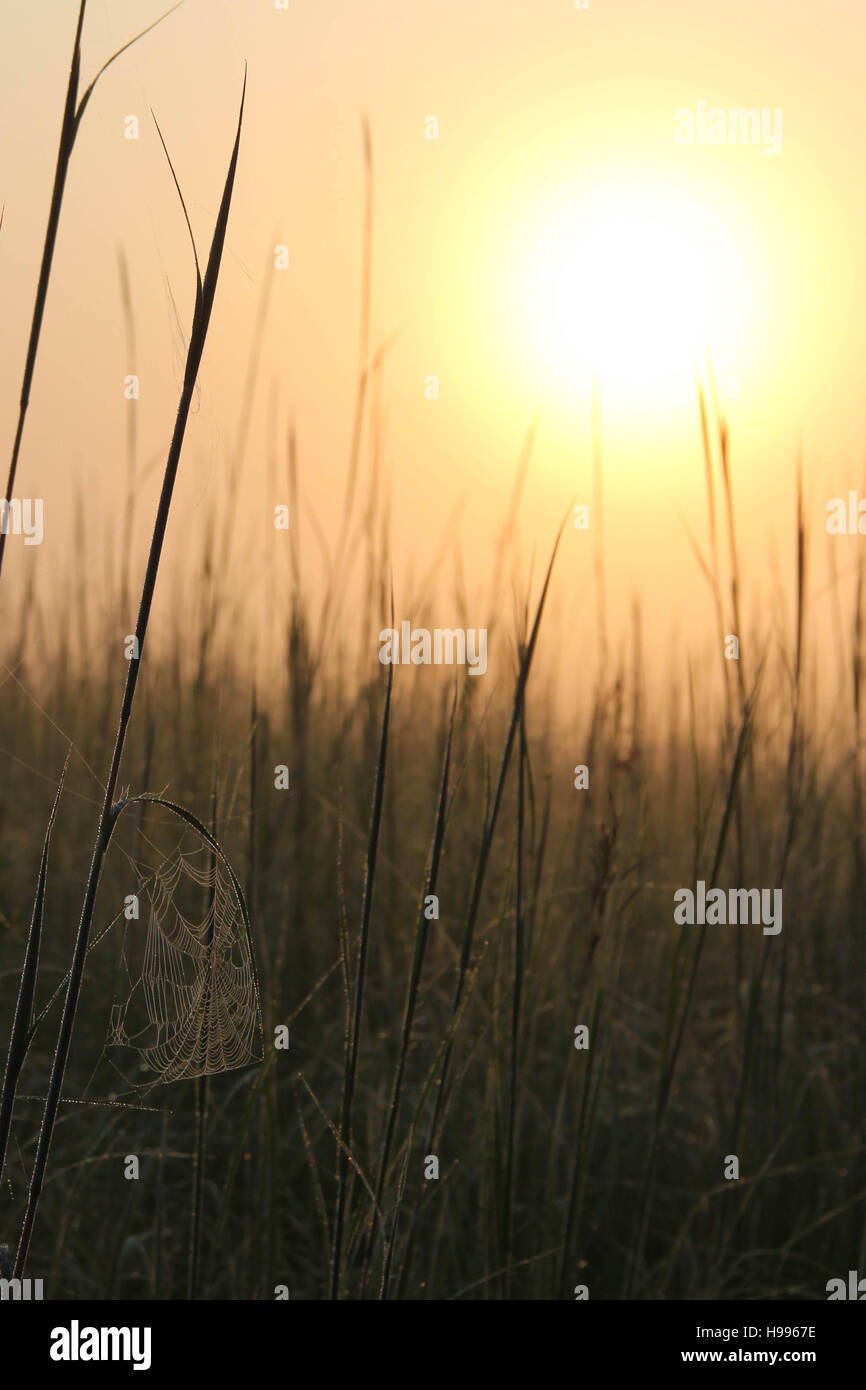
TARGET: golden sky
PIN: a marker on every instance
(555, 234)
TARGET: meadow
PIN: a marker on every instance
(491, 1064)
(559, 1165)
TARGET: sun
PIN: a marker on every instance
(630, 285)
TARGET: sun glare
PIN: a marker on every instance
(632, 286)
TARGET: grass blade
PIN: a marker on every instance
(109, 812)
(21, 1023)
(358, 997)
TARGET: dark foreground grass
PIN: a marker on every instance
(557, 1167)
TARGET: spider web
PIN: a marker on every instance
(193, 1004)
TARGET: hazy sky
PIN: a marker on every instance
(553, 231)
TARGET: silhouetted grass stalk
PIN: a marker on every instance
(421, 933)
(23, 1023)
(491, 819)
(354, 1037)
(670, 1055)
(204, 300)
(73, 112)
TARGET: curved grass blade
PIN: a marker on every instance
(73, 111)
(109, 813)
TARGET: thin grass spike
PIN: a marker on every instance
(109, 812)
